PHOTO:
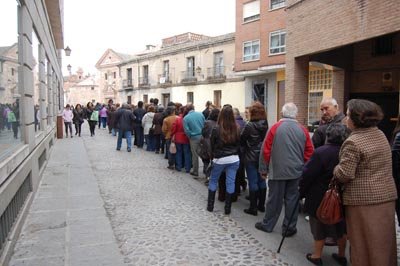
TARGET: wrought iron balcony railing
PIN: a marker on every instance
(144, 81)
(217, 72)
(127, 83)
(188, 76)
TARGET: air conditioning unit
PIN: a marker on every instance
(387, 78)
(162, 80)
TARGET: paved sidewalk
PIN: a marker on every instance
(99, 206)
(67, 224)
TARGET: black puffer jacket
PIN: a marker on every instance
(220, 149)
(251, 140)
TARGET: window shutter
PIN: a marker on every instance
(251, 9)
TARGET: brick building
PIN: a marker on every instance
(358, 40)
(260, 45)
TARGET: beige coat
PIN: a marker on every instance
(365, 167)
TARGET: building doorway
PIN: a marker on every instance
(259, 92)
(389, 102)
(281, 98)
(166, 99)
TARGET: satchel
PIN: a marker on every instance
(330, 208)
(172, 148)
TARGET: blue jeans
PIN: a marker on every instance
(230, 170)
(128, 136)
(255, 181)
(139, 135)
(183, 156)
(170, 156)
(150, 145)
(113, 132)
(103, 121)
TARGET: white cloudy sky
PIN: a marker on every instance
(93, 26)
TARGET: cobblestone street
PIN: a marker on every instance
(158, 216)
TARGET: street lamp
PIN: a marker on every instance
(67, 51)
(69, 67)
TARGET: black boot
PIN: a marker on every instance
(253, 203)
(211, 199)
(228, 203)
(261, 199)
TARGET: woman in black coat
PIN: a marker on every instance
(317, 174)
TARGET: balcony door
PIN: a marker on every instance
(129, 76)
(190, 67)
(218, 64)
(166, 70)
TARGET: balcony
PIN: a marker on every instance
(164, 80)
(144, 81)
(127, 84)
(188, 77)
(216, 74)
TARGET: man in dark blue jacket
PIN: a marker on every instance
(124, 119)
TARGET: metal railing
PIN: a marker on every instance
(10, 214)
(188, 76)
(127, 83)
(164, 78)
(144, 81)
(216, 72)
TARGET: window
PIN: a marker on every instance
(217, 98)
(145, 79)
(190, 66)
(115, 75)
(383, 46)
(314, 102)
(218, 64)
(277, 4)
(166, 69)
(12, 71)
(277, 42)
(145, 98)
(105, 76)
(189, 98)
(251, 11)
(251, 50)
(320, 79)
(92, 88)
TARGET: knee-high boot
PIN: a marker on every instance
(228, 203)
(253, 203)
(211, 199)
(262, 194)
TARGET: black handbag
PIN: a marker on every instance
(151, 130)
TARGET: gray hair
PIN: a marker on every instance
(336, 133)
(289, 110)
(330, 100)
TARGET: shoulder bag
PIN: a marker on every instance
(330, 208)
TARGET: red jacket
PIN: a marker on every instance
(178, 132)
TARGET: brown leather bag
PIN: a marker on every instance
(330, 208)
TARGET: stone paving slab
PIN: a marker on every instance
(99, 206)
(67, 223)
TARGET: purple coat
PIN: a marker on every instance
(317, 173)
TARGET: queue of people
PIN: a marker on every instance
(283, 164)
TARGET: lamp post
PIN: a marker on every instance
(69, 67)
(67, 51)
